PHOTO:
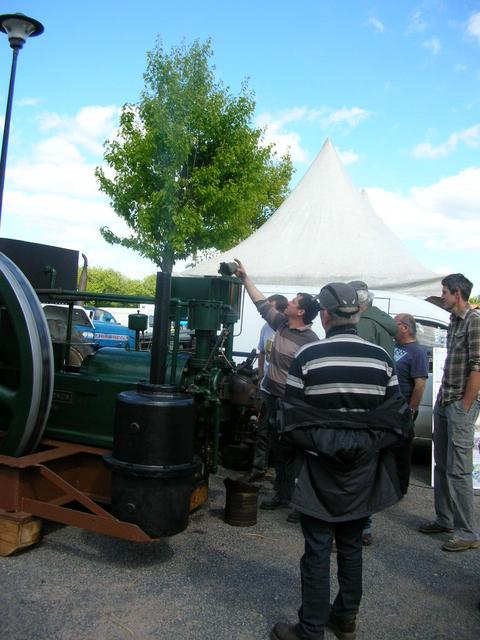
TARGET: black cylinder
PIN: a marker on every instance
(152, 462)
(154, 425)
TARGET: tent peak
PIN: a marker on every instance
(326, 230)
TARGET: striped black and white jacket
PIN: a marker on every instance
(346, 464)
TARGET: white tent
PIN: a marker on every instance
(326, 231)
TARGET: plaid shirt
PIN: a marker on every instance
(463, 354)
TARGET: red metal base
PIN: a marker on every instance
(66, 483)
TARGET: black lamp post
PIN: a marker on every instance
(18, 28)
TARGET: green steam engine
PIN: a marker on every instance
(122, 441)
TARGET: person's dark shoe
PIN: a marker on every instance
(457, 544)
(367, 539)
(284, 631)
(343, 628)
(293, 516)
(254, 476)
(433, 527)
(274, 503)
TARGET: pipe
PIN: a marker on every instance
(161, 329)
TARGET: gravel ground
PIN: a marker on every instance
(218, 582)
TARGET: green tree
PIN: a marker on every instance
(101, 280)
(190, 171)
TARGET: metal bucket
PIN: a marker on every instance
(240, 503)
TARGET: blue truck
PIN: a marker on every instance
(94, 325)
(109, 332)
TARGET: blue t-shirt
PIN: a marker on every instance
(411, 362)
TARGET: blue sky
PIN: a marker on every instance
(394, 85)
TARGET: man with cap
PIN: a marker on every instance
(343, 412)
(378, 327)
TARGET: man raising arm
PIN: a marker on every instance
(292, 330)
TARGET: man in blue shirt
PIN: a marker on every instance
(411, 362)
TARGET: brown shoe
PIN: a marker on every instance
(367, 539)
(433, 527)
(457, 544)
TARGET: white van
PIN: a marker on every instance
(432, 320)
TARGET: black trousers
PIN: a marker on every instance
(284, 454)
(264, 438)
(315, 572)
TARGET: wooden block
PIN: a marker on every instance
(199, 496)
(18, 535)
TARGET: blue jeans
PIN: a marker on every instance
(315, 573)
(453, 442)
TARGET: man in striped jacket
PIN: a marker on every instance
(344, 413)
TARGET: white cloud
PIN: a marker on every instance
(442, 216)
(57, 164)
(72, 222)
(456, 197)
(56, 150)
(325, 116)
(469, 137)
(352, 117)
(376, 24)
(284, 141)
(284, 117)
(52, 196)
(28, 102)
(473, 25)
(348, 157)
(416, 24)
(433, 45)
(89, 128)
(74, 178)
(276, 126)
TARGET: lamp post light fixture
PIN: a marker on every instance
(18, 28)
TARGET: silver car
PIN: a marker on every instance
(430, 334)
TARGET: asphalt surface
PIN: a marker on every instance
(218, 582)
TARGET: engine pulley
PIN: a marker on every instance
(26, 363)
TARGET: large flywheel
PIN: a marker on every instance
(26, 363)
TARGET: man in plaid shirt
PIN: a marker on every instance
(455, 413)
